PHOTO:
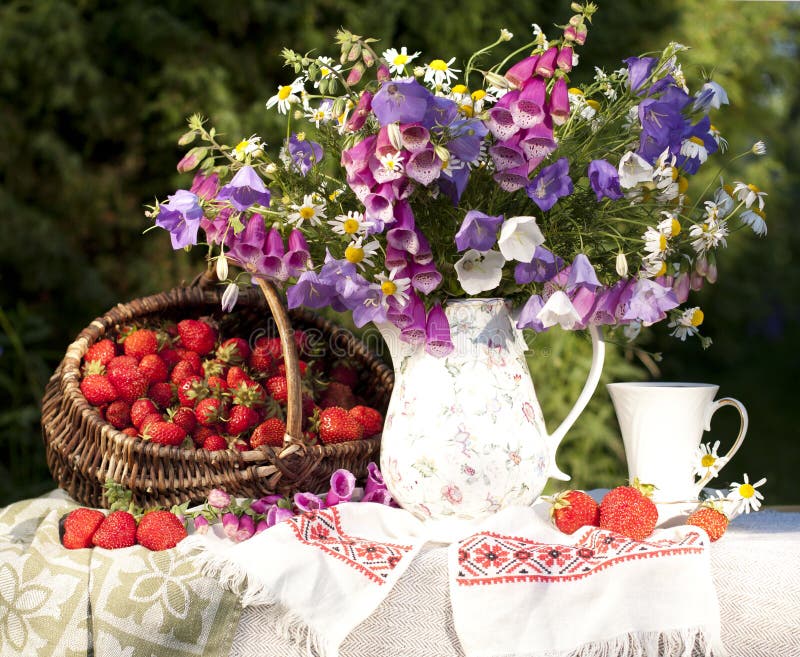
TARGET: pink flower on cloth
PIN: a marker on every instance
(452, 494)
(371, 550)
(491, 555)
(554, 555)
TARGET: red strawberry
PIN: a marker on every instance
(121, 361)
(102, 352)
(170, 357)
(261, 360)
(278, 388)
(336, 425)
(118, 414)
(185, 418)
(140, 343)
(628, 511)
(191, 390)
(241, 445)
(183, 370)
(236, 376)
(234, 351)
(129, 383)
(337, 394)
(345, 373)
(98, 389)
(197, 336)
(369, 418)
(201, 433)
(273, 345)
(710, 518)
(133, 432)
(241, 419)
(149, 419)
(301, 365)
(161, 394)
(192, 357)
(270, 432)
(140, 409)
(160, 530)
(217, 385)
(154, 369)
(79, 527)
(209, 411)
(215, 442)
(164, 433)
(574, 509)
(118, 530)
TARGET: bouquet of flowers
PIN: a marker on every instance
(403, 182)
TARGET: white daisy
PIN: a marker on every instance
(538, 36)
(759, 148)
(352, 223)
(749, 498)
(438, 73)
(749, 194)
(392, 162)
(709, 235)
(327, 69)
(393, 287)
(669, 226)
(247, 148)
(695, 148)
(654, 266)
(756, 219)
(321, 114)
(656, 243)
(361, 254)
(312, 210)
(286, 96)
(723, 199)
(707, 461)
(685, 323)
(397, 60)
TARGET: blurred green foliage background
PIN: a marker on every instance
(94, 94)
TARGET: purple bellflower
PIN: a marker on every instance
(303, 153)
(478, 231)
(181, 215)
(401, 101)
(551, 184)
(244, 190)
(604, 179)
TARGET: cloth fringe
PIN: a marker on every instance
(294, 629)
(687, 642)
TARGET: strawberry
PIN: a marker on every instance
(273, 345)
(627, 510)
(149, 419)
(215, 442)
(133, 432)
(102, 352)
(164, 433)
(183, 370)
(191, 390)
(236, 376)
(574, 509)
(343, 372)
(270, 432)
(118, 414)
(197, 336)
(79, 527)
(193, 358)
(200, 434)
(278, 388)
(121, 361)
(209, 411)
(154, 369)
(710, 518)
(241, 419)
(337, 394)
(161, 394)
(118, 530)
(98, 389)
(170, 357)
(336, 425)
(241, 445)
(234, 351)
(140, 343)
(140, 409)
(185, 418)
(129, 383)
(217, 385)
(369, 418)
(261, 360)
(160, 530)
(301, 365)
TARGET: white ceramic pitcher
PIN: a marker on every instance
(662, 425)
(464, 434)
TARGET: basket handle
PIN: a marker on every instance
(294, 416)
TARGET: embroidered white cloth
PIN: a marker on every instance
(518, 587)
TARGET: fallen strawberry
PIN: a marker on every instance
(628, 510)
(574, 509)
(710, 518)
(160, 530)
(79, 527)
(118, 530)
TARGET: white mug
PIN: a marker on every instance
(662, 426)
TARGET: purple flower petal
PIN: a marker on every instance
(528, 110)
(425, 278)
(552, 183)
(424, 166)
(543, 267)
(401, 101)
(343, 483)
(374, 478)
(415, 137)
(247, 528)
(582, 274)
(478, 231)
(604, 179)
(245, 189)
(438, 342)
(529, 315)
(307, 502)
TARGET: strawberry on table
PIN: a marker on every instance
(628, 510)
(118, 530)
(711, 518)
(197, 336)
(573, 509)
(160, 530)
(79, 527)
(336, 425)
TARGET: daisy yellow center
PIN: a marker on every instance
(334, 194)
(390, 163)
(466, 110)
(675, 227)
(662, 269)
(400, 60)
(728, 189)
(760, 213)
(674, 173)
(325, 71)
(241, 146)
(683, 184)
(707, 461)
(697, 317)
(438, 65)
(479, 94)
(459, 89)
(575, 91)
(307, 212)
(354, 254)
(696, 140)
(350, 226)
(593, 104)
(662, 242)
(388, 288)
(284, 92)
(753, 188)
(747, 491)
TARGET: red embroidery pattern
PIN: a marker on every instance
(323, 530)
(488, 558)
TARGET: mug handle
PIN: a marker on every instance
(713, 408)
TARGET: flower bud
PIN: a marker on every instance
(247, 528)
(383, 73)
(230, 523)
(230, 297)
(218, 498)
(759, 148)
(200, 525)
(622, 264)
(354, 77)
(506, 35)
(222, 267)
(395, 136)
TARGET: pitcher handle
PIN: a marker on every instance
(713, 408)
(593, 378)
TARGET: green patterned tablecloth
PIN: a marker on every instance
(126, 603)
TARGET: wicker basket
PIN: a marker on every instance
(83, 451)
